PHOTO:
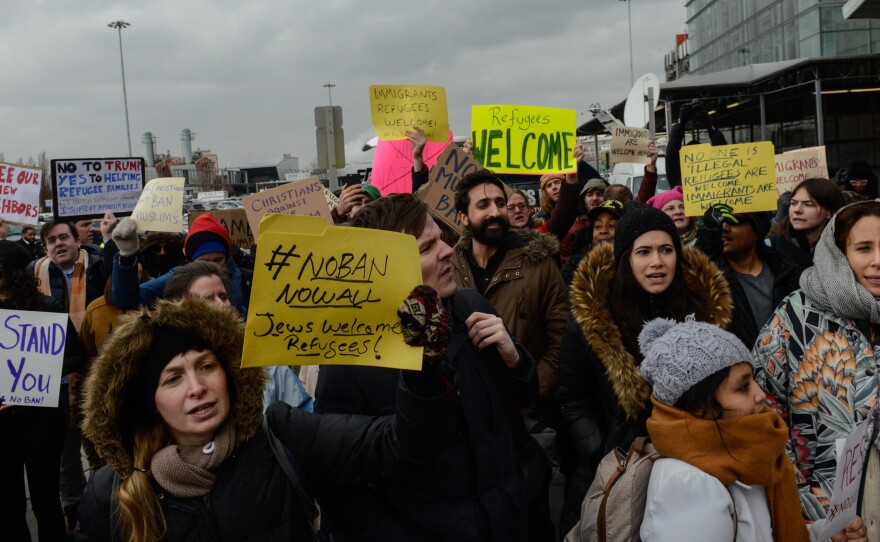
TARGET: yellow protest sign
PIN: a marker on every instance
(630, 145)
(329, 295)
(304, 197)
(397, 108)
(741, 175)
(160, 207)
(795, 166)
(524, 139)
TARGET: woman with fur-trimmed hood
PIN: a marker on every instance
(645, 274)
(189, 454)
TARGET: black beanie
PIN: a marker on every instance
(860, 170)
(760, 222)
(637, 219)
(13, 256)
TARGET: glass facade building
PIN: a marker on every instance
(725, 34)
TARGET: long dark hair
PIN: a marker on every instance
(20, 287)
(826, 193)
(631, 306)
(700, 399)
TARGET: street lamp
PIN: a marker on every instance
(119, 25)
(632, 79)
(329, 86)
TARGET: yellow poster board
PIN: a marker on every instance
(328, 295)
(397, 108)
(524, 139)
(742, 175)
(160, 207)
(795, 166)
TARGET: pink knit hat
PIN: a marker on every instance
(660, 200)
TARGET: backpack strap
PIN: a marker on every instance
(287, 461)
(638, 447)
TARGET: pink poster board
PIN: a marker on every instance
(392, 164)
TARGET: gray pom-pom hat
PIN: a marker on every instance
(678, 355)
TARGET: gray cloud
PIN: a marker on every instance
(246, 76)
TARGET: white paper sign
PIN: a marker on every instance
(20, 193)
(848, 478)
(31, 354)
(89, 187)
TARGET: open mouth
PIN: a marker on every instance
(203, 410)
(873, 279)
(656, 278)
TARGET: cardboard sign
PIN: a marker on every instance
(332, 200)
(397, 108)
(630, 145)
(89, 187)
(793, 167)
(329, 295)
(305, 197)
(20, 193)
(741, 175)
(160, 207)
(848, 478)
(392, 164)
(31, 357)
(451, 166)
(236, 223)
(524, 139)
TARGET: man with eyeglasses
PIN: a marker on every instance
(73, 277)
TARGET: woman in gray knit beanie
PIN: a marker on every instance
(818, 361)
(724, 474)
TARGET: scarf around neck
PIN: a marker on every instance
(189, 471)
(752, 452)
(76, 294)
(831, 285)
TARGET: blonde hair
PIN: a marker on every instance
(139, 510)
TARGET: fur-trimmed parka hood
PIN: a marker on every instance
(155, 237)
(589, 306)
(537, 246)
(124, 351)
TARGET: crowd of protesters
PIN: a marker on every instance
(739, 346)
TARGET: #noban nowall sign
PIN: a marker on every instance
(329, 295)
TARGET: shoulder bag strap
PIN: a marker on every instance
(284, 460)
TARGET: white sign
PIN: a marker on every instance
(90, 187)
(20, 193)
(31, 354)
(848, 478)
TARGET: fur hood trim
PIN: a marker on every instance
(589, 296)
(536, 246)
(125, 349)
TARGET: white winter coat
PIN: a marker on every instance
(685, 503)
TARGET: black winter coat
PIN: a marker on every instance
(252, 498)
(474, 490)
(603, 398)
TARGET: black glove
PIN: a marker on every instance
(685, 113)
(699, 114)
(717, 214)
(784, 204)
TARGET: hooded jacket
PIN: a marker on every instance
(155, 265)
(603, 396)
(529, 295)
(327, 451)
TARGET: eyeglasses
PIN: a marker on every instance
(514, 206)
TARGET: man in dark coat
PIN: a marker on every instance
(29, 241)
(474, 490)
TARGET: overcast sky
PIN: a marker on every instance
(245, 76)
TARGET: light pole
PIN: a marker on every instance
(119, 25)
(329, 86)
(632, 79)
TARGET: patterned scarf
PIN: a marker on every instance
(188, 471)
(831, 285)
(76, 302)
(752, 451)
